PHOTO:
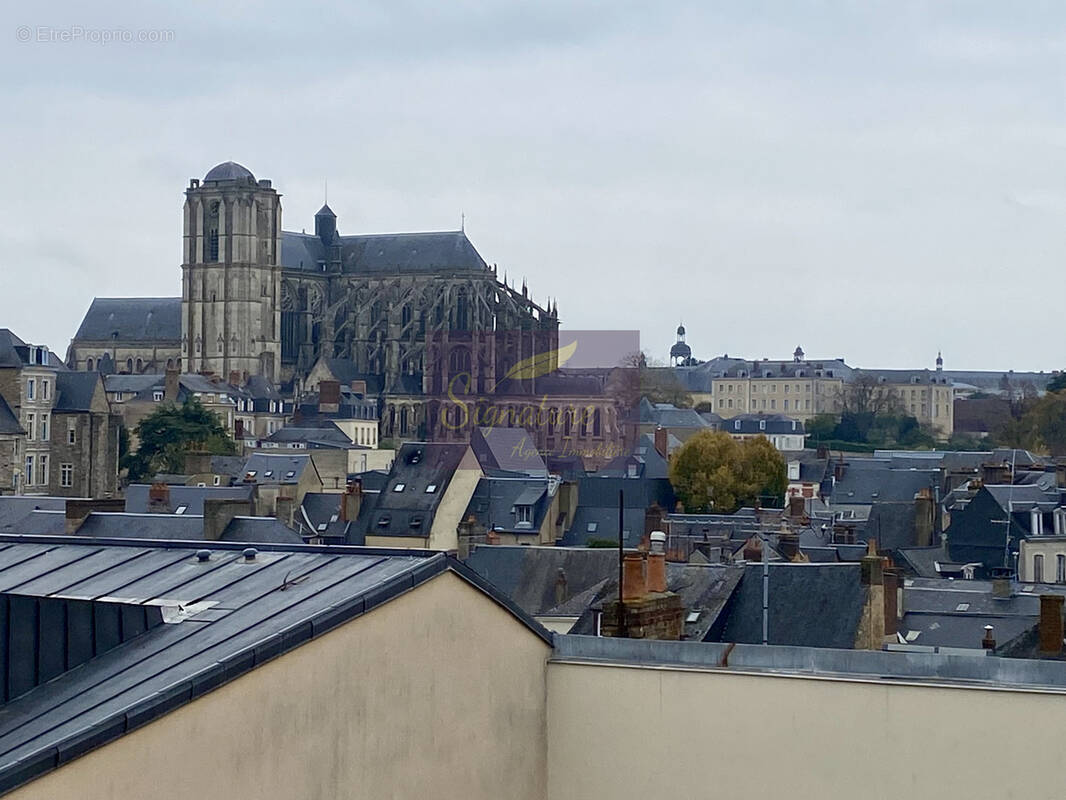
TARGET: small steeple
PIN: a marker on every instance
(939, 361)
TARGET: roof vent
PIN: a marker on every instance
(203, 555)
(250, 553)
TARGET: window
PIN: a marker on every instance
(523, 515)
(762, 424)
(181, 509)
(66, 475)
(157, 395)
(736, 425)
(1038, 568)
(72, 436)
(44, 427)
(44, 390)
(383, 521)
(786, 403)
(268, 474)
(42, 470)
(29, 470)
(31, 389)
(773, 403)
(1060, 568)
(399, 487)
(218, 480)
(431, 488)
(31, 426)
(591, 527)
(290, 474)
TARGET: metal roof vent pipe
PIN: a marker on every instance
(203, 555)
(989, 642)
(250, 553)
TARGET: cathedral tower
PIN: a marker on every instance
(231, 275)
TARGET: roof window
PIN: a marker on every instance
(181, 509)
(431, 488)
(399, 487)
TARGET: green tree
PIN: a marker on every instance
(1042, 427)
(170, 431)
(1058, 383)
(713, 472)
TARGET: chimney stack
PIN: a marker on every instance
(359, 387)
(219, 511)
(170, 385)
(657, 563)
(159, 498)
(924, 517)
(1051, 624)
(560, 586)
(662, 441)
(77, 511)
(634, 582)
(1001, 583)
(351, 501)
(285, 510)
(329, 397)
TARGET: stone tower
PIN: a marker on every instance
(231, 275)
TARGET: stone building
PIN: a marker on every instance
(68, 445)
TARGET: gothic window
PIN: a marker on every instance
(403, 420)
(596, 426)
(459, 361)
(89, 365)
(212, 233)
(140, 365)
(170, 363)
(199, 344)
(462, 311)
(129, 365)
(405, 315)
(221, 343)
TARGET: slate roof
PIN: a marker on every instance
(9, 423)
(283, 468)
(121, 525)
(667, 415)
(404, 507)
(134, 319)
(811, 605)
(770, 423)
(435, 251)
(330, 436)
(867, 481)
(234, 620)
(706, 592)
(258, 530)
(14, 509)
(494, 500)
(507, 449)
(320, 512)
(192, 497)
(75, 391)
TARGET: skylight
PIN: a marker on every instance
(268, 474)
(399, 487)
(431, 488)
(181, 509)
(591, 527)
(321, 526)
(290, 473)
(962, 607)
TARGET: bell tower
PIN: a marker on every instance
(231, 275)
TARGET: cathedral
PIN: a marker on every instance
(407, 314)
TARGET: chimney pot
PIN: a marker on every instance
(656, 572)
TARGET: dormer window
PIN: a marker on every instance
(416, 523)
(523, 515)
(157, 396)
(736, 425)
(762, 424)
(383, 521)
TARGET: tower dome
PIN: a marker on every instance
(228, 171)
(680, 331)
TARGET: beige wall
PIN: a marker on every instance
(438, 694)
(1050, 547)
(444, 534)
(636, 734)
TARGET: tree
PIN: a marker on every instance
(1041, 427)
(1058, 383)
(713, 472)
(647, 377)
(865, 394)
(170, 431)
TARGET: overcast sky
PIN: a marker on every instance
(872, 180)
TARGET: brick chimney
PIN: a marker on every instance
(235, 378)
(359, 387)
(662, 438)
(797, 506)
(753, 549)
(329, 397)
(924, 517)
(170, 385)
(159, 499)
(1051, 624)
(634, 581)
(656, 574)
